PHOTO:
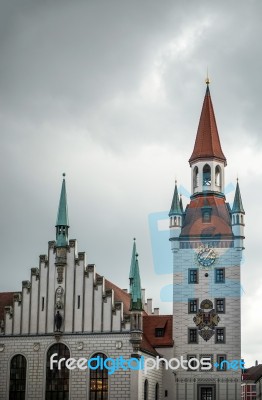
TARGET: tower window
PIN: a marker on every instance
(220, 335)
(207, 175)
(191, 365)
(193, 275)
(222, 363)
(218, 176)
(195, 177)
(78, 302)
(206, 214)
(220, 275)
(43, 304)
(192, 335)
(220, 305)
(192, 306)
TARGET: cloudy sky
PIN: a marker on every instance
(110, 92)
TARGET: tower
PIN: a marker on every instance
(207, 250)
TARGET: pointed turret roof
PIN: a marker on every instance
(175, 206)
(238, 205)
(133, 261)
(62, 214)
(207, 144)
(181, 204)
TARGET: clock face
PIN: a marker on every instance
(206, 257)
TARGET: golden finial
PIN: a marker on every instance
(207, 78)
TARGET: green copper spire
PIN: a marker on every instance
(62, 222)
(135, 283)
(181, 204)
(238, 205)
(133, 262)
(175, 206)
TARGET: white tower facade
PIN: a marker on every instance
(207, 252)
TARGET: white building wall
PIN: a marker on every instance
(42, 303)
(79, 293)
(17, 314)
(26, 289)
(34, 300)
(70, 286)
(89, 279)
(51, 288)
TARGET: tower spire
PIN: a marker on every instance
(62, 222)
(238, 205)
(175, 206)
(135, 283)
(207, 143)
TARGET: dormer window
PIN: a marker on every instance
(207, 175)
(159, 332)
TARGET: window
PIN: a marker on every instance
(43, 304)
(195, 177)
(220, 275)
(218, 176)
(17, 378)
(159, 332)
(222, 363)
(146, 390)
(193, 275)
(206, 216)
(157, 392)
(191, 366)
(192, 306)
(98, 380)
(220, 335)
(192, 335)
(78, 302)
(57, 380)
(220, 305)
(207, 175)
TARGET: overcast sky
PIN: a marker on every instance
(110, 92)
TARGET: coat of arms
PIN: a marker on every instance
(205, 320)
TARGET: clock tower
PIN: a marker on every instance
(207, 243)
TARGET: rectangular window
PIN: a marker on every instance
(193, 275)
(191, 365)
(220, 335)
(192, 335)
(220, 275)
(192, 306)
(78, 302)
(220, 305)
(222, 364)
(159, 332)
(43, 304)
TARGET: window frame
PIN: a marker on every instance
(195, 330)
(51, 378)
(189, 275)
(189, 305)
(224, 336)
(224, 305)
(96, 375)
(224, 368)
(216, 275)
(189, 357)
(22, 371)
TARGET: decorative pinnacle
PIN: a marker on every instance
(207, 78)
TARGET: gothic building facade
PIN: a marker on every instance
(68, 311)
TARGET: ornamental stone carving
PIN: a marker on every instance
(59, 298)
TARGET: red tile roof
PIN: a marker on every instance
(220, 224)
(253, 373)
(6, 299)
(207, 144)
(119, 295)
(151, 322)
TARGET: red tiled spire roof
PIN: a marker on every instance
(207, 144)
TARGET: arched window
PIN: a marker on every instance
(234, 219)
(157, 392)
(206, 175)
(146, 390)
(218, 175)
(242, 219)
(98, 389)
(57, 380)
(195, 177)
(17, 378)
(237, 219)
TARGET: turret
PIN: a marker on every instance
(238, 219)
(175, 217)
